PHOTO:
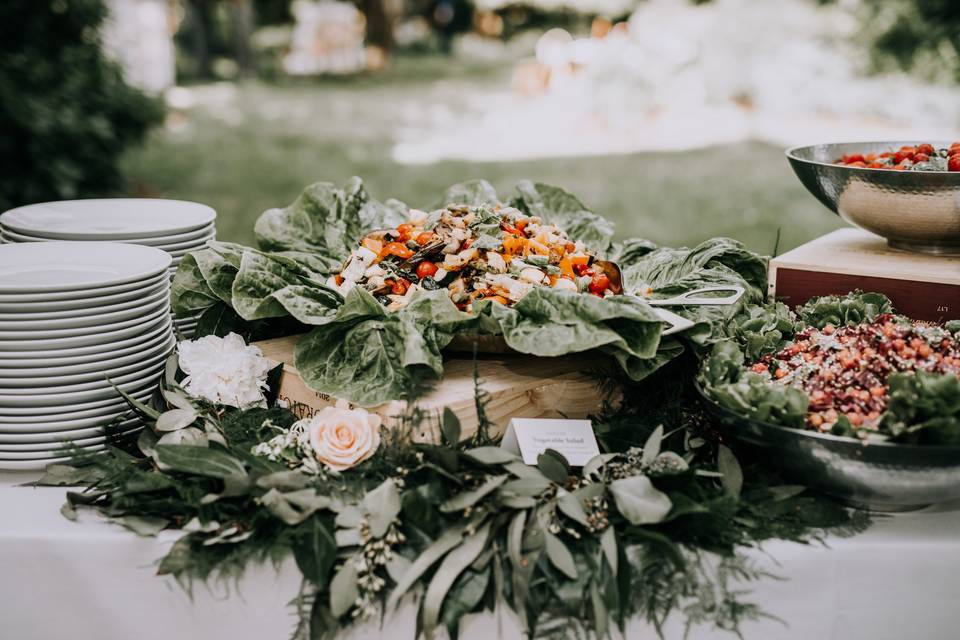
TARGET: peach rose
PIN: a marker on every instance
(342, 437)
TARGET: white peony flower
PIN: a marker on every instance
(224, 371)
(342, 437)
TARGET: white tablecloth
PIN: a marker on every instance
(94, 580)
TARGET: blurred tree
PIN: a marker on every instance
(66, 114)
(919, 36)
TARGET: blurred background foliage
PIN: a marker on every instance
(66, 113)
(242, 135)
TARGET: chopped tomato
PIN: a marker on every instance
(926, 149)
(395, 249)
(599, 284)
(339, 279)
(426, 269)
(425, 238)
(953, 164)
(582, 269)
(903, 154)
(405, 231)
(509, 228)
(858, 163)
(399, 287)
(522, 224)
(921, 157)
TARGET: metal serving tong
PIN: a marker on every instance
(691, 298)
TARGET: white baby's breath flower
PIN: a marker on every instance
(342, 437)
(224, 371)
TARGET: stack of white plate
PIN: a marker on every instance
(72, 315)
(176, 226)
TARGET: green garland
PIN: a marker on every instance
(463, 522)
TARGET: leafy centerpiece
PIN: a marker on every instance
(652, 528)
(381, 289)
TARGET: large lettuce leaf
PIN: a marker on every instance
(472, 193)
(548, 322)
(326, 221)
(369, 356)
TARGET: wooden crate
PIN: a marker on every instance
(518, 386)
(922, 287)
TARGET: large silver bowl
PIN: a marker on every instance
(881, 476)
(913, 210)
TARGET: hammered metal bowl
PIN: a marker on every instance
(880, 476)
(913, 210)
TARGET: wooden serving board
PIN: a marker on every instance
(518, 386)
(922, 287)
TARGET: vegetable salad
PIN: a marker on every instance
(495, 253)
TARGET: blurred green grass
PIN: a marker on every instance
(248, 147)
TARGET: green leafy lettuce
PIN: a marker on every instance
(923, 409)
(726, 380)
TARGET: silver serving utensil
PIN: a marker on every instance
(677, 323)
(696, 297)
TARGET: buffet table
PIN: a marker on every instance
(897, 580)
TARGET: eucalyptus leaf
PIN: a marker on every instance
(344, 591)
(596, 463)
(515, 538)
(451, 427)
(490, 455)
(450, 568)
(467, 499)
(571, 507)
(530, 486)
(608, 543)
(176, 419)
(448, 540)
(727, 464)
(639, 501)
(382, 506)
(201, 461)
(554, 466)
(651, 448)
(559, 556)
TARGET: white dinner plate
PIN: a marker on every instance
(63, 411)
(30, 465)
(54, 436)
(128, 329)
(81, 355)
(191, 245)
(94, 380)
(56, 451)
(59, 439)
(49, 267)
(46, 376)
(47, 398)
(33, 319)
(44, 404)
(51, 423)
(80, 326)
(157, 241)
(108, 218)
(74, 300)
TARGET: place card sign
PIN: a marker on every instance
(529, 437)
